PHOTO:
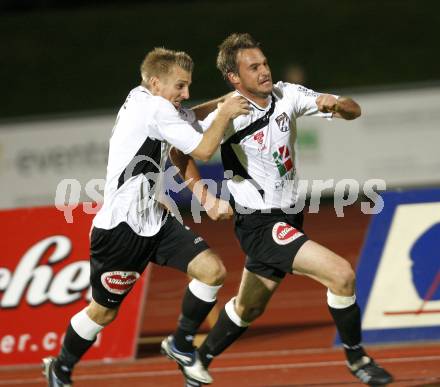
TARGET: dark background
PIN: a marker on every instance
(66, 56)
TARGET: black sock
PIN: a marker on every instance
(348, 323)
(194, 312)
(221, 336)
(74, 347)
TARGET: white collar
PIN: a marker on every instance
(143, 88)
(254, 104)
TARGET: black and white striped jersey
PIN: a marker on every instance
(145, 128)
(259, 148)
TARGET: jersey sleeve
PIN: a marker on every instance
(304, 101)
(174, 129)
(207, 122)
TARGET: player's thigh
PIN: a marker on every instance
(117, 260)
(322, 264)
(255, 290)
(181, 248)
(270, 242)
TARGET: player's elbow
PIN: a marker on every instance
(175, 155)
(178, 158)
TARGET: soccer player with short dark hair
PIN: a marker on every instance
(259, 149)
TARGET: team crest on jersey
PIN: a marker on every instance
(283, 122)
(283, 233)
(119, 282)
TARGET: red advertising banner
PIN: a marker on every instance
(44, 281)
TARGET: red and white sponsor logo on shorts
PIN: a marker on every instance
(283, 233)
(119, 282)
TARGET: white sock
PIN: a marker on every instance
(340, 302)
(85, 326)
(232, 314)
(203, 291)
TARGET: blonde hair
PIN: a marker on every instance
(159, 61)
(228, 50)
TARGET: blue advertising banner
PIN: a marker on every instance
(398, 276)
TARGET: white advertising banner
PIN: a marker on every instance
(396, 139)
(36, 156)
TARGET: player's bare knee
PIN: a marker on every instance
(105, 318)
(344, 282)
(208, 269)
(102, 315)
(216, 274)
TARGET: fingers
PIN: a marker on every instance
(221, 210)
(240, 101)
(326, 103)
(234, 106)
(242, 107)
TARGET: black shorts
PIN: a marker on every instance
(270, 241)
(119, 256)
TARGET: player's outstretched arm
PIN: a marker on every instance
(232, 107)
(342, 107)
(217, 209)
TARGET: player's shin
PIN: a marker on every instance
(228, 328)
(347, 317)
(198, 301)
(80, 336)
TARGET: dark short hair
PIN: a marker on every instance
(227, 51)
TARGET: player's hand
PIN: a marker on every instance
(327, 103)
(219, 210)
(234, 106)
(228, 95)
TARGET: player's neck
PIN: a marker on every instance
(259, 100)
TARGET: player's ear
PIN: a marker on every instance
(154, 83)
(233, 78)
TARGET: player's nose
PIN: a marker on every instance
(265, 70)
(185, 93)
